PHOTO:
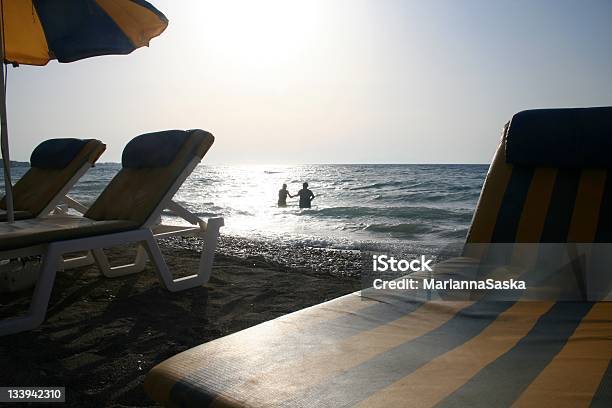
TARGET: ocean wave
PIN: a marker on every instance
(403, 230)
(465, 187)
(427, 197)
(422, 213)
(378, 185)
(216, 211)
(454, 233)
(203, 214)
(243, 212)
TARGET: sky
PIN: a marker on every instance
(327, 81)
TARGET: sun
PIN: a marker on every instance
(262, 34)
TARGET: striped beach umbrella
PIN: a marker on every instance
(34, 32)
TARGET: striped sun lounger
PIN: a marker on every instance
(547, 184)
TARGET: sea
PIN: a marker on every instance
(422, 206)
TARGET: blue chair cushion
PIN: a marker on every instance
(153, 150)
(562, 138)
(56, 153)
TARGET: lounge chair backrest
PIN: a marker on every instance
(53, 165)
(152, 165)
(549, 181)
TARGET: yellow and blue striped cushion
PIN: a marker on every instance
(353, 351)
(543, 204)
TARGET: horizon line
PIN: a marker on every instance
(305, 164)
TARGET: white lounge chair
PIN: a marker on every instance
(154, 166)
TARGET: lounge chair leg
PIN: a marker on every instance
(206, 260)
(78, 261)
(101, 261)
(40, 300)
(211, 237)
(156, 257)
(122, 270)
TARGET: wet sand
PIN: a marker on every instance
(101, 335)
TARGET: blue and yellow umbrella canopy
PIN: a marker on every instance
(37, 31)
(34, 32)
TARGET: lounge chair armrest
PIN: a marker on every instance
(74, 204)
(185, 214)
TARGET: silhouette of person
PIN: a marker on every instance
(306, 196)
(282, 196)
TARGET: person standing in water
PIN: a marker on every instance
(306, 196)
(282, 196)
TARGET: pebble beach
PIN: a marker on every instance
(101, 335)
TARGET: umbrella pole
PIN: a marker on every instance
(4, 146)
